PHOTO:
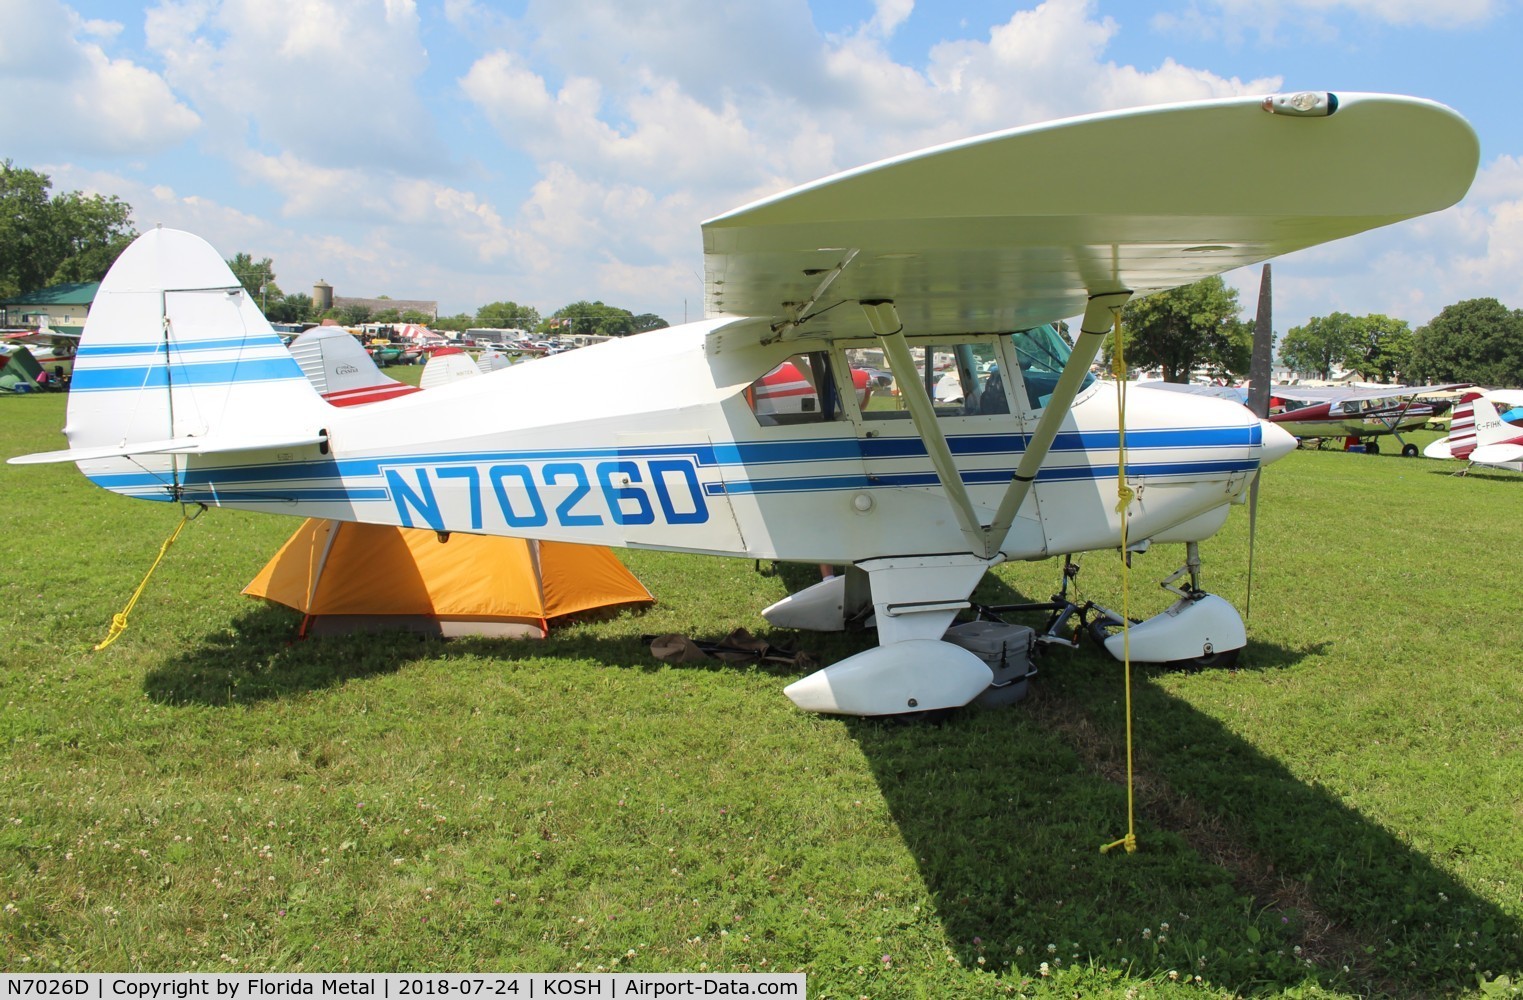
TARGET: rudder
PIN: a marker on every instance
(177, 360)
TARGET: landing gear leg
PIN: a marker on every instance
(1198, 630)
(1061, 610)
(1190, 568)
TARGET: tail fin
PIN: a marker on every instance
(1477, 433)
(1461, 437)
(443, 369)
(176, 360)
(341, 371)
(1497, 442)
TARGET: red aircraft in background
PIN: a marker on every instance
(1359, 416)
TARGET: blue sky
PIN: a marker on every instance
(551, 150)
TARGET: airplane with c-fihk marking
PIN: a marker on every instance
(966, 256)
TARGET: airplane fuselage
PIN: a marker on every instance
(653, 441)
(1356, 420)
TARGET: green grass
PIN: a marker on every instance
(1340, 815)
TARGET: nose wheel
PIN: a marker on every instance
(1199, 630)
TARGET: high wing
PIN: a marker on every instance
(1338, 394)
(1236, 394)
(48, 344)
(41, 338)
(1017, 228)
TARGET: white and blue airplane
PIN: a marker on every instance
(962, 257)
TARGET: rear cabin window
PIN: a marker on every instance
(801, 390)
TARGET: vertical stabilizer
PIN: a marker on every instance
(1462, 439)
(176, 360)
(340, 370)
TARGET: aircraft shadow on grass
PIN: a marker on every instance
(260, 657)
(993, 803)
(1004, 811)
(1479, 472)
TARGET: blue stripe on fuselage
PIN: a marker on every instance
(814, 484)
(758, 454)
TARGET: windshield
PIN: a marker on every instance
(1042, 352)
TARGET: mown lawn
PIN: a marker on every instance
(1340, 815)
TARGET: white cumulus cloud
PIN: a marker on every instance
(65, 96)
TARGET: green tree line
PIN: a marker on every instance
(48, 239)
(1199, 327)
(1477, 340)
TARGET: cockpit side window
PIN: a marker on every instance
(1041, 353)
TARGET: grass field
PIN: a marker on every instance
(1340, 815)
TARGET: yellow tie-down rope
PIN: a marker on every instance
(119, 620)
(1124, 496)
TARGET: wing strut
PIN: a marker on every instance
(884, 319)
(1099, 319)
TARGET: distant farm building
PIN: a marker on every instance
(59, 307)
(323, 299)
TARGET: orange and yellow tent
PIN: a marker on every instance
(363, 577)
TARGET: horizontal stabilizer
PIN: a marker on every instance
(169, 446)
(1498, 454)
(1439, 449)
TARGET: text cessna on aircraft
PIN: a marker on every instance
(964, 255)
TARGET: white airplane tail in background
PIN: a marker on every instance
(1461, 439)
(1478, 433)
(176, 359)
(340, 370)
(1497, 442)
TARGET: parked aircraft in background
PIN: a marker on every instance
(447, 367)
(342, 371)
(1359, 416)
(1486, 429)
(791, 390)
(46, 344)
(971, 251)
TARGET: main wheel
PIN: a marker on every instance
(1371, 446)
(1409, 451)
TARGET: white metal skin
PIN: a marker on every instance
(916, 675)
(182, 393)
(1191, 628)
(817, 608)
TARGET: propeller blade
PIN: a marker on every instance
(1259, 368)
(1253, 518)
(1261, 362)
